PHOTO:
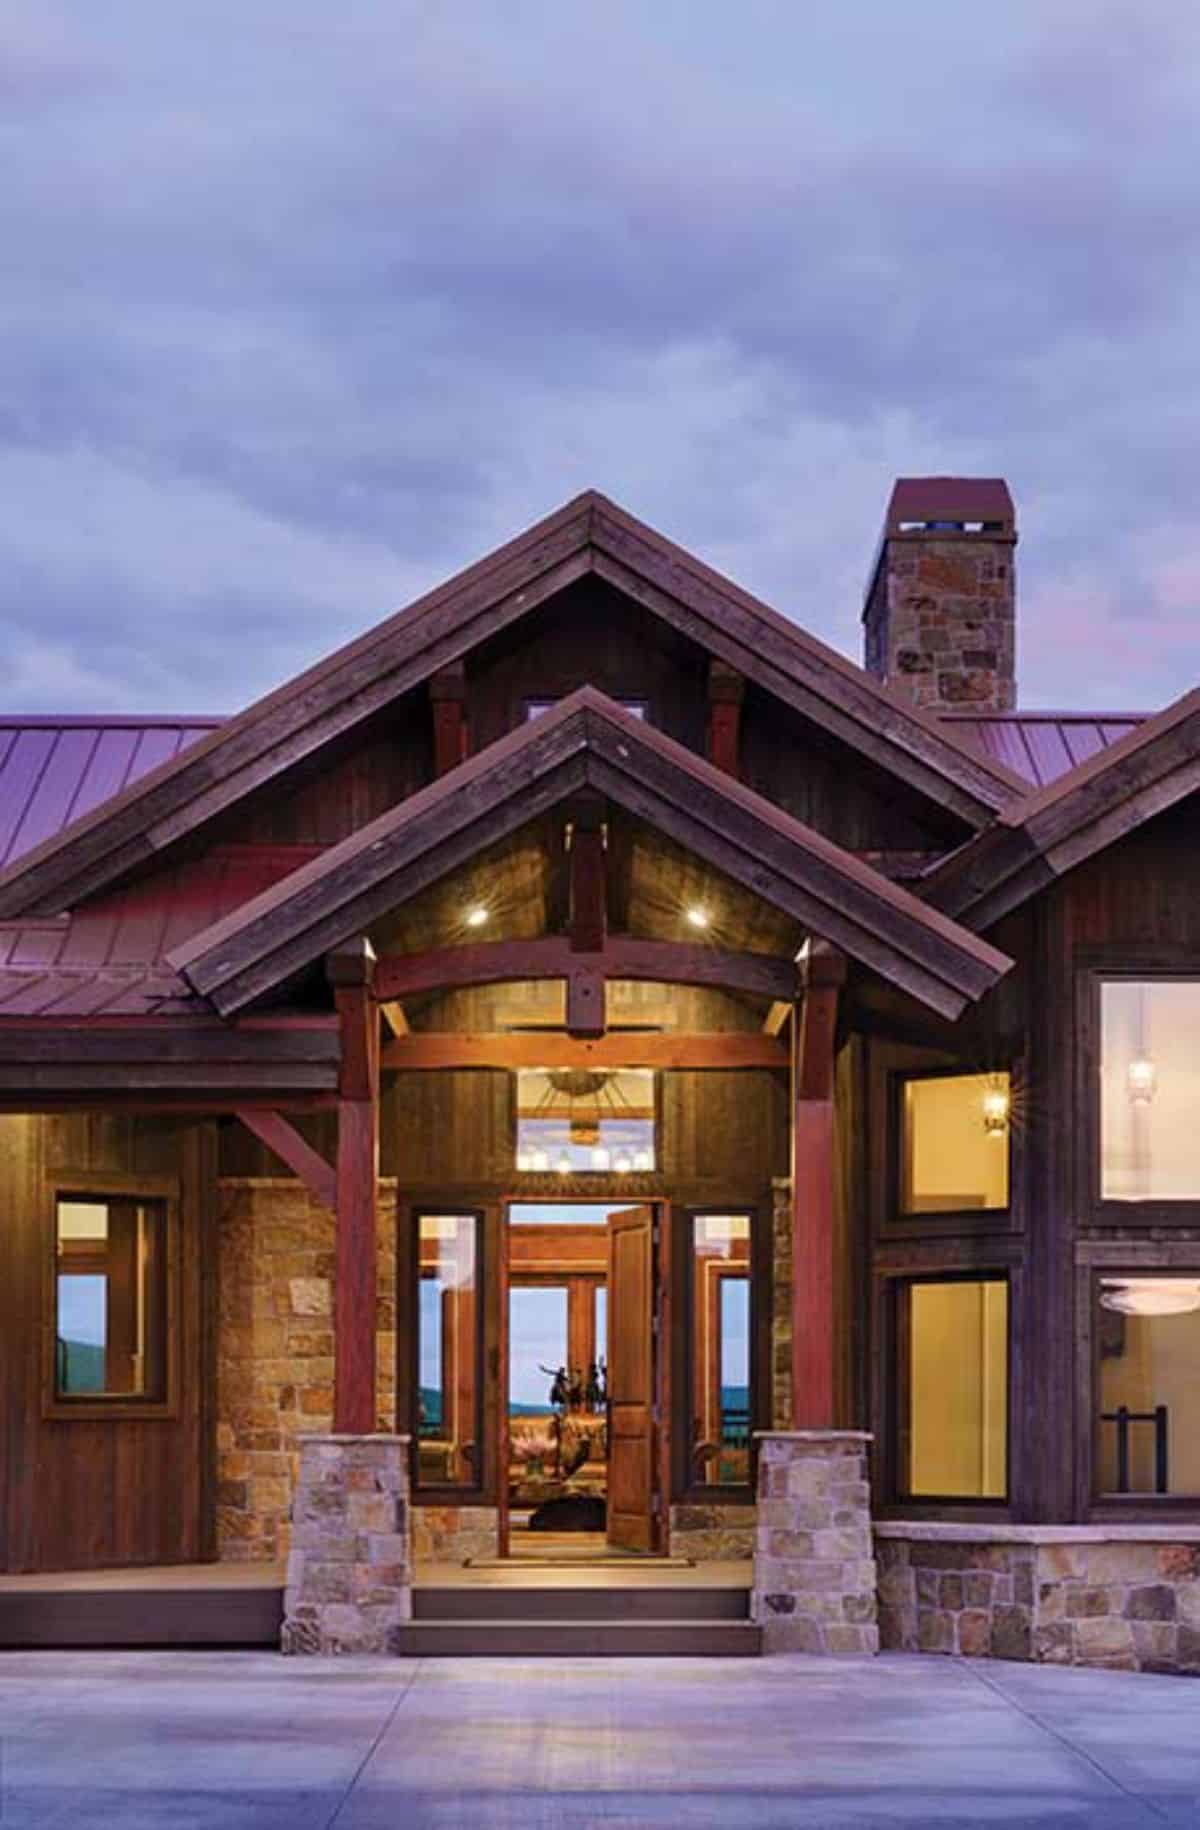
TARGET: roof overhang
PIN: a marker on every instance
(1048, 833)
(588, 535)
(587, 742)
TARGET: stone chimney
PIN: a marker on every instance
(940, 616)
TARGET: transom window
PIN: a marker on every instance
(1149, 1090)
(954, 1147)
(585, 1121)
(110, 1298)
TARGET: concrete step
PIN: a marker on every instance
(578, 1639)
(634, 1603)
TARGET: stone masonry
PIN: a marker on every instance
(349, 1577)
(275, 1351)
(1123, 1597)
(782, 1223)
(814, 1568)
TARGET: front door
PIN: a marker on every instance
(631, 1435)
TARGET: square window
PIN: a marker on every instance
(110, 1298)
(1148, 1380)
(1149, 1083)
(953, 1385)
(954, 1143)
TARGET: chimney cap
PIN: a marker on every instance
(947, 504)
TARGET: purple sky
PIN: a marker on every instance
(305, 306)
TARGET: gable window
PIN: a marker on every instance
(954, 1143)
(1149, 1089)
(1147, 1391)
(952, 1384)
(637, 708)
(573, 1121)
(110, 1299)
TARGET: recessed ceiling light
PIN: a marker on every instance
(697, 917)
(477, 916)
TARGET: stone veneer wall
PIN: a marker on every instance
(1118, 1597)
(275, 1351)
(781, 1304)
(717, 1533)
(814, 1571)
(941, 621)
(349, 1577)
(452, 1534)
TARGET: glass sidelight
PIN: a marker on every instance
(449, 1382)
(720, 1380)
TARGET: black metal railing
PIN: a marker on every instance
(1123, 1417)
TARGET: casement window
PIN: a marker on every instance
(580, 1121)
(951, 1384)
(1149, 1145)
(449, 1351)
(720, 1349)
(1146, 1341)
(110, 1302)
(954, 1144)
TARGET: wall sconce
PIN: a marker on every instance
(995, 1112)
(1141, 1080)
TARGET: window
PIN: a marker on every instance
(1148, 1383)
(583, 1121)
(720, 1381)
(110, 1299)
(953, 1387)
(1149, 1090)
(448, 1351)
(954, 1143)
(637, 708)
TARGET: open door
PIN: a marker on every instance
(631, 1457)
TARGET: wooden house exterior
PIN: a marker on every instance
(886, 954)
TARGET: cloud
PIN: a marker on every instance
(303, 309)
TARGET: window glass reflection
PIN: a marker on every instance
(448, 1350)
(954, 1148)
(1148, 1360)
(110, 1298)
(955, 1389)
(1149, 1088)
(720, 1348)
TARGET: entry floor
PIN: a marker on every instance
(228, 1740)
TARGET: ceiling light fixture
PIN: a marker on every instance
(1152, 1296)
(477, 916)
(697, 916)
(1142, 1080)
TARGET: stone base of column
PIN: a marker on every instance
(814, 1564)
(349, 1577)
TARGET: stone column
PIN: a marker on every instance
(349, 1577)
(814, 1565)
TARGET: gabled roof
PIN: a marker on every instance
(586, 741)
(1049, 832)
(589, 535)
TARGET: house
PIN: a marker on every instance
(587, 970)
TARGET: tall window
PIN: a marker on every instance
(1149, 1090)
(110, 1298)
(953, 1387)
(582, 1121)
(954, 1143)
(1148, 1376)
(448, 1370)
(720, 1349)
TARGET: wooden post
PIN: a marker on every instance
(814, 1347)
(726, 690)
(588, 915)
(350, 972)
(448, 697)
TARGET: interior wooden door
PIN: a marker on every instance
(500, 1390)
(631, 1458)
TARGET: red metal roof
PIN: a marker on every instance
(1041, 746)
(54, 769)
(926, 500)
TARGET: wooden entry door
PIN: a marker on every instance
(632, 1461)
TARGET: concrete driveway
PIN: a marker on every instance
(230, 1740)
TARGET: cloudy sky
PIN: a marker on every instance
(306, 305)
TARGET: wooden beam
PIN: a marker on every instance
(814, 1345)
(282, 1138)
(447, 697)
(588, 919)
(777, 1018)
(674, 963)
(726, 690)
(617, 1049)
(586, 1012)
(350, 972)
(392, 1012)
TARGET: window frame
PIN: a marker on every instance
(893, 1286)
(1099, 1259)
(1142, 969)
(94, 1406)
(408, 1311)
(892, 1221)
(549, 1185)
(684, 1488)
